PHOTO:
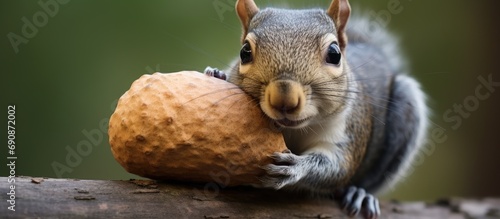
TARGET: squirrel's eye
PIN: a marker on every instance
(246, 53)
(333, 56)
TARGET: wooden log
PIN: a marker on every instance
(71, 198)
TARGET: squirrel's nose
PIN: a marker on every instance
(285, 96)
(284, 104)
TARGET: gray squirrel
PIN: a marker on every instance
(351, 117)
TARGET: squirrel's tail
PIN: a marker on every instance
(369, 30)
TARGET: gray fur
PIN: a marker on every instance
(274, 55)
(371, 119)
(405, 133)
(378, 64)
(285, 41)
(363, 30)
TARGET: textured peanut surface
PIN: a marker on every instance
(191, 127)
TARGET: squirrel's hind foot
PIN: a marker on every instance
(216, 73)
(355, 200)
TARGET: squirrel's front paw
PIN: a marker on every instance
(216, 73)
(287, 170)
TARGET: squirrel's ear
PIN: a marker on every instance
(246, 9)
(339, 11)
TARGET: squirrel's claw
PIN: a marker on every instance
(356, 200)
(372, 208)
(286, 170)
(216, 73)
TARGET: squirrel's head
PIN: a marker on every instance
(292, 61)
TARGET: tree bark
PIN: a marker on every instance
(72, 198)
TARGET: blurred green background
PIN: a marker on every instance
(65, 78)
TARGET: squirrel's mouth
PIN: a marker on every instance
(287, 123)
